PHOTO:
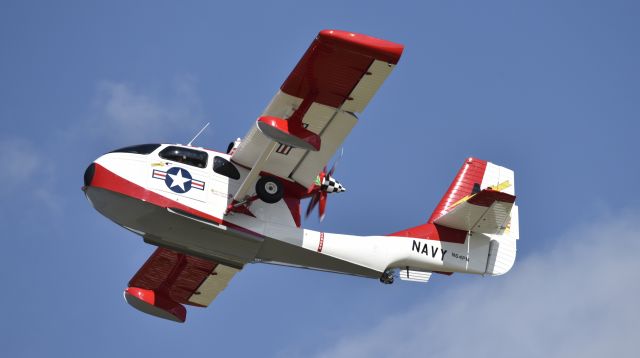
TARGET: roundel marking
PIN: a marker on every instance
(178, 180)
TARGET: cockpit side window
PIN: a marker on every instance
(224, 167)
(187, 156)
(138, 149)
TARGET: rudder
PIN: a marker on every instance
(502, 248)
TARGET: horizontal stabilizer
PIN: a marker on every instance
(484, 212)
(414, 275)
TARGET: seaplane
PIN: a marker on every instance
(211, 213)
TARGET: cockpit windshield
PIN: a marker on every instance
(187, 156)
(138, 149)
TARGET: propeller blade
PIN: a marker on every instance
(323, 204)
(312, 204)
(320, 197)
(335, 164)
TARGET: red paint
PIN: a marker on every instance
(148, 296)
(298, 115)
(318, 196)
(322, 207)
(152, 299)
(334, 63)
(379, 49)
(173, 275)
(286, 129)
(291, 188)
(293, 193)
(436, 232)
(487, 197)
(242, 208)
(105, 179)
(321, 243)
(472, 172)
(312, 203)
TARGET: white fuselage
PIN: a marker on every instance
(133, 190)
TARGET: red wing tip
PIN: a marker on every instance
(378, 48)
(149, 302)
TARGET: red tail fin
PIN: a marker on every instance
(467, 181)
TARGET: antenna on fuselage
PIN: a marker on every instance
(194, 138)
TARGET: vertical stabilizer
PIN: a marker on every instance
(481, 200)
(468, 180)
(478, 219)
(474, 176)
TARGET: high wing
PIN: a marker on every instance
(169, 279)
(485, 212)
(315, 108)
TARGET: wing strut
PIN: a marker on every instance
(288, 131)
(251, 178)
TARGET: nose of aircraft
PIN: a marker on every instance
(88, 174)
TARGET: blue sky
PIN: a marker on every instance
(550, 89)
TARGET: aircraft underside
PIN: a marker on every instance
(192, 235)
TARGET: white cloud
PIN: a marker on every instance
(129, 115)
(25, 167)
(21, 161)
(121, 115)
(578, 298)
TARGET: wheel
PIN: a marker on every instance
(387, 277)
(269, 189)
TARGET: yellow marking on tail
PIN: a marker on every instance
(461, 201)
(500, 187)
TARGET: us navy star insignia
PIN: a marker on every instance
(178, 180)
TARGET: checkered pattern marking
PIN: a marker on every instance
(331, 185)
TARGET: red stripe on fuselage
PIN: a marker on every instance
(321, 242)
(106, 179)
(436, 232)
